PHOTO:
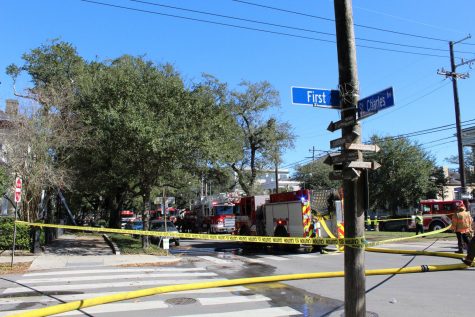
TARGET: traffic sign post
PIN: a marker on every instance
(18, 186)
(378, 101)
(315, 97)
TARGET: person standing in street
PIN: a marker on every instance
(462, 226)
(419, 220)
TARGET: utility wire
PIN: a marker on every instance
(290, 27)
(257, 29)
(410, 102)
(430, 130)
(358, 25)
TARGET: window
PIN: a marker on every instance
(436, 207)
(449, 207)
(425, 208)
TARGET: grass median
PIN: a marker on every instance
(129, 245)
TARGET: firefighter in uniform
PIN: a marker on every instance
(462, 225)
(419, 220)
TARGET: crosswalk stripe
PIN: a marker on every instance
(156, 304)
(113, 277)
(75, 287)
(304, 255)
(263, 312)
(215, 260)
(273, 257)
(232, 300)
(57, 298)
(102, 271)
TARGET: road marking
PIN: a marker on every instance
(304, 255)
(148, 305)
(73, 297)
(102, 271)
(75, 287)
(264, 312)
(113, 277)
(215, 260)
(273, 257)
(232, 300)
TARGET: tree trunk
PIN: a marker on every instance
(145, 217)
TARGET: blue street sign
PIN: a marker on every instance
(379, 101)
(315, 96)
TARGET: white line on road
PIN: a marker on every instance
(113, 277)
(47, 299)
(264, 312)
(232, 300)
(273, 257)
(76, 287)
(215, 260)
(102, 271)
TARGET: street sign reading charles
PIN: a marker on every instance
(315, 96)
(378, 101)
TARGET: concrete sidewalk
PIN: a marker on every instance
(70, 250)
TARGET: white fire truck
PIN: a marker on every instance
(288, 215)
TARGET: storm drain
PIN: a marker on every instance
(181, 301)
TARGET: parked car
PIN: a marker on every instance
(134, 225)
(159, 225)
(394, 224)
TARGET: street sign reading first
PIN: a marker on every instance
(378, 101)
(315, 96)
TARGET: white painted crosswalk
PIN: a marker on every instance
(41, 289)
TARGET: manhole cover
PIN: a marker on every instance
(180, 301)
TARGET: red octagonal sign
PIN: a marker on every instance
(18, 189)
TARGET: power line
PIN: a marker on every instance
(355, 24)
(411, 102)
(429, 130)
(257, 29)
(289, 27)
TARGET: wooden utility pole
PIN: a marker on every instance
(355, 301)
(454, 75)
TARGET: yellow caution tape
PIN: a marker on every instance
(355, 242)
(370, 244)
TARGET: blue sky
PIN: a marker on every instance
(423, 99)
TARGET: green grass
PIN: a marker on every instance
(383, 235)
(130, 245)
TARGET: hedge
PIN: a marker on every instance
(22, 241)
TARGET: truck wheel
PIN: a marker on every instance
(177, 243)
(436, 225)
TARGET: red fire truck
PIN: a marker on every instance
(215, 214)
(437, 214)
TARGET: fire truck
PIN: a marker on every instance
(437, 214)
(214, 214)
(289, 214)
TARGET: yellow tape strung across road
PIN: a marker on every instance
(355, 242)
(375, 243)
(81, 304)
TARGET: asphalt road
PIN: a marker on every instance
(426, 294)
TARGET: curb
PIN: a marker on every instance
(113, 246)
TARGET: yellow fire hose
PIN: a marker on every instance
(81, 304)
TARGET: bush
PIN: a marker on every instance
(22, 241)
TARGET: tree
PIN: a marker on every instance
(42, 136)
(315, 175)
(404, 176)
(262, 139)
(469, 162)
(439, 184)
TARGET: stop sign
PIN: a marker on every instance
(18, 184)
